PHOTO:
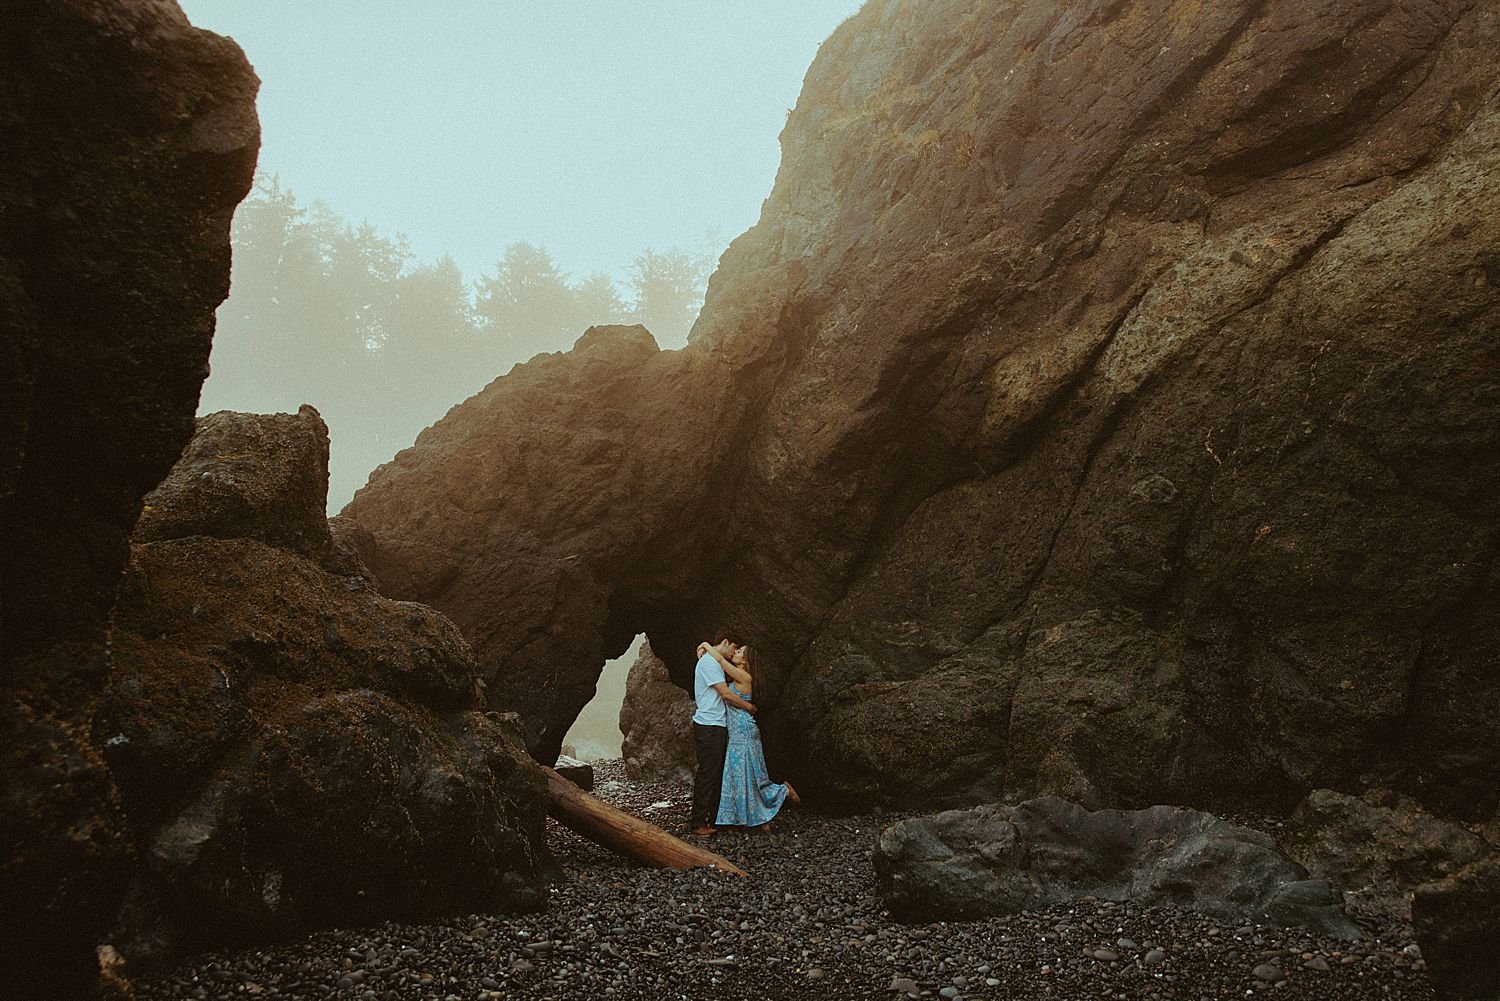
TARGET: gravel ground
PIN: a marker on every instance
(806, 924)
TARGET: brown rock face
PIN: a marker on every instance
(248, 479)
(129, 138)
(1106, 404)
(291, 749)
(558, 511)
(657, 721)
(1377, 849)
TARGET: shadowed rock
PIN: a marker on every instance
(293, 750)
(1457, 920)
(1376, 850)
(965, 864)
(247, 477)
(129, 138)
(1105, 404)
(656, 718)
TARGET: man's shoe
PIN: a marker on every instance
(703, 830)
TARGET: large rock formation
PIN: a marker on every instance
(965, 864)
(293, 750)
(129, 138)
(656, 719)
(1106, 403)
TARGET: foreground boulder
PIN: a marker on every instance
(130, 136)
(1457, 920)
(1104, 404)
(656, 718)
(1376, 849)
(293, 750)
(965, 864)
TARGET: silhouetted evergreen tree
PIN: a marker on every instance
(668, 287)
(527, 304)
(341, 317)
(596, 301)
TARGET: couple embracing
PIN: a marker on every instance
(730, 783)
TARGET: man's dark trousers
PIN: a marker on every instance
(709, 745)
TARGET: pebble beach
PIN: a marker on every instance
(806, 923)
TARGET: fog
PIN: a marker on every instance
(445, 192)
(596, 735)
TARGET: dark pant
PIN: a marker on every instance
(709, 744)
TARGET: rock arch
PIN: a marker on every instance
(1104, 404)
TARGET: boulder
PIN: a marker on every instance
(293, 750)
(130, 136)
(1457, 921)
(1104, 404)
(989, 860)
(1377, 848)
(248, 476)
(657, 721)
(580, 773)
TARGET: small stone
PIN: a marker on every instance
(905, 985)
(1316, 963)
(1267, 972)
(814, 974)
(1155, 958)
(1127, 943)
(1106, 955)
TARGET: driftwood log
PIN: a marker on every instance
(624, 834)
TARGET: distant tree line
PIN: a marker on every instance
(339, 316)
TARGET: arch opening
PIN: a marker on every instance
(595, 734)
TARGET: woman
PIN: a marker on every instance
(748, 797)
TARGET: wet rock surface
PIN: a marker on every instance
(656, 719)
(1378, 847)
(807, 923)
(1004, 859)
(293, 750)
(1104, 405)
(129, 138)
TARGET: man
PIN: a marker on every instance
(711, 733)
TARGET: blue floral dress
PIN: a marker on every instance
(748, 797)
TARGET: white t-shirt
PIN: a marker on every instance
(706, 675)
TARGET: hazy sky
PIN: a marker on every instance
(595, 127)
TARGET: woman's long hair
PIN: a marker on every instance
(752, 665)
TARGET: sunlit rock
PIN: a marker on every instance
(1105, 404)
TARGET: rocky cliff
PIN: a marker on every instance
(129, 138)
(1106, 404)
(292, 750)
(656, 720)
